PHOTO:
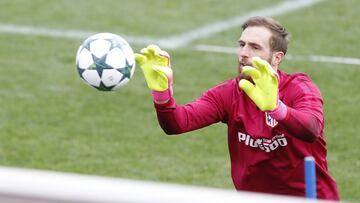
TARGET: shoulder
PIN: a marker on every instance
(222, 94)
(225, 88)
(297, 81)
(298, 88)
(293, 77)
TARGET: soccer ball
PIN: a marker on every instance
(105, 61)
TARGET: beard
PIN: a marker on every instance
(247, 62)
(240, 68)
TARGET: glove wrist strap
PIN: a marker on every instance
(280, 111)
(162, 97)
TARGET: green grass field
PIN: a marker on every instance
(50, 120)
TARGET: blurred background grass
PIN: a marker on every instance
(50, 120)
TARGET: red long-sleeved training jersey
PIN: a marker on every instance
(266, 155)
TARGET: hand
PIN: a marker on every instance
(265, 91)
(155, 64)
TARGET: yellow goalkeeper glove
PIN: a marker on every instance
(265, 91)
(155, 64)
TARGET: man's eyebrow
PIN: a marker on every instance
(250, 43)
(255, 44)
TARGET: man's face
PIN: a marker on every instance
(254, 41)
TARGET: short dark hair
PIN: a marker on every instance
(280, 37)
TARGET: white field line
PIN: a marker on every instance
(220, 26)
(56, 33)
(207, 48)
(170, 42)
(313, 58)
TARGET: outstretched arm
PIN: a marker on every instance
(174, 119)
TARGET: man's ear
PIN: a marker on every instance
(277, 57)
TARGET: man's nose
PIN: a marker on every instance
(244, 52)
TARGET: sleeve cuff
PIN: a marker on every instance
(280, 112)
(170, 104)
(161, 97)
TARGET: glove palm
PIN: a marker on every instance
(265, 91)
(155, 65)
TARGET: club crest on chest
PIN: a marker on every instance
(270, 121)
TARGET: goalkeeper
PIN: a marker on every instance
(274, 119)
